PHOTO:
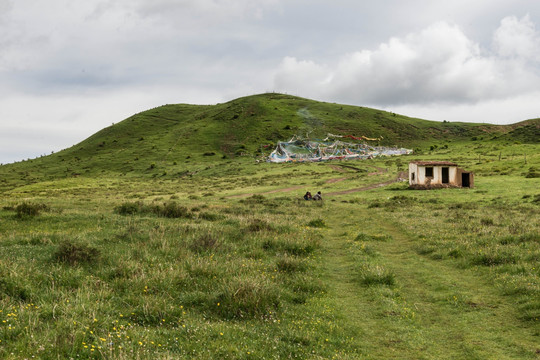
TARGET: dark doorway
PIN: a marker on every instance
(465, 180)
(445, 175)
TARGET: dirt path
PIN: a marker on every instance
(338, 168)
(379, 171)
(399, 178)
(292, 188)
(434, 311)
(342, 168)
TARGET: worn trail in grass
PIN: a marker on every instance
(432, 310)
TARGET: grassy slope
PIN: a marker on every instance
(393, 273)
(171, 141)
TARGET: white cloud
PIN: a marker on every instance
(520, 107)
(68, 68)
(439, 64)
(517, 38)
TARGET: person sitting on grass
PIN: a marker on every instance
(308, 196)
(317, 196)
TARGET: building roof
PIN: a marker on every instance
(434, 163)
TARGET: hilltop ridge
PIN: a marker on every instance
(170, 140)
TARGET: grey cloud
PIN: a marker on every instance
(518, 38)
(98, 61)
(438, 64)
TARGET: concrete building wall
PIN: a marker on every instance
(427, 175)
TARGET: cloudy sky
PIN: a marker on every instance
(69, 68)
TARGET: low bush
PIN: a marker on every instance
(259, 225)
(290, 264)
(12, 289)
(487, 221)
(71, 253)
(28, 210)
(532, 174)
(208, 216)
(317, 223)
(493, 259)
(204, 243)
(245, 298)
(129, 208)
(170, 209)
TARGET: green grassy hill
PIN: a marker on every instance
(161, 238)
(176, 140)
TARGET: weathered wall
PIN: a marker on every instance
(420, 178)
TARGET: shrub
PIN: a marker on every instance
(73, 254)
(299, 248)
(244, 298)
(532, 173)
(290, 264)
(317, 223)
(487, 221)
(12, 289)
(204, 243)
(129, 208)
(172, 210)
(455, 253)
(208, 216)
(26, 210)
(259, 225)
(492, 259)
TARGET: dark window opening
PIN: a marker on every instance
(429, 172)
(412, 176)
(445, 175)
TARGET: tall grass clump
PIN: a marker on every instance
(169, 209)
(29, 210)
(376, 275)
(493, 258)
(257, 225)
(245, 298)
(71, 253)
(290, 264)
(317, 223)
(204, 243)
(172, 210)
(129, 208)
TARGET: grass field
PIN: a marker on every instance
(227, 261)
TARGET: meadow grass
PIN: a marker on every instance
(159, 267)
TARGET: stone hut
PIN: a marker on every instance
(438, 174)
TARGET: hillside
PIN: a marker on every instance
(138, 243)
(175, 140)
